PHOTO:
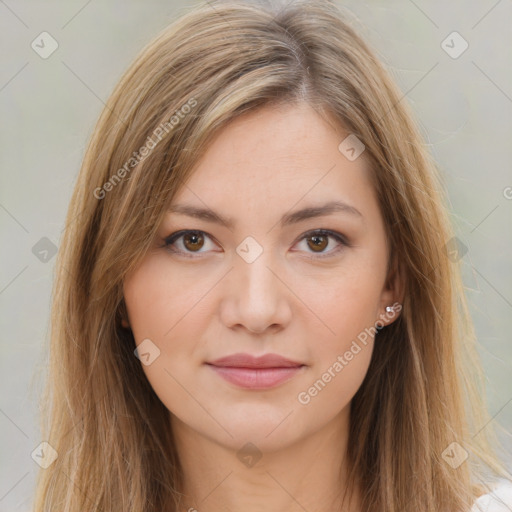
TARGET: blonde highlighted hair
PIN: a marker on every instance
(423, 390)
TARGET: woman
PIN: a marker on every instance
(256, 306)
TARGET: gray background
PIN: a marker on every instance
(48, 108)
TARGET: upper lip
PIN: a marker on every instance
(248, 361)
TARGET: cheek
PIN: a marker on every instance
(159, 300)
(342, 348)
(345, 304)
(336, 382)
(158, 313)
(168, 307)
(342, 359)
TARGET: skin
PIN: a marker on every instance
(288, 301)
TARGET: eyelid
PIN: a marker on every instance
(339, 237)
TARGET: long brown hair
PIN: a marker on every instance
(423, 390)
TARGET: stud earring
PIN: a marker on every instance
(389, 309)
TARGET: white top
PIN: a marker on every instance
(499, 500)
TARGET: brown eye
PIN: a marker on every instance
(193, 241)
(324, 243)
(190, 243)
(318, 242)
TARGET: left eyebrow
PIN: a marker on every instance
(318, 211)
(287, 219)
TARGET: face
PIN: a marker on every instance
(308, 287)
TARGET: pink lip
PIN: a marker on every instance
(251, 372)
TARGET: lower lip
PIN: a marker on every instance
(256, 378)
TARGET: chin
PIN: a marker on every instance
(269, 430)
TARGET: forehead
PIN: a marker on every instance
(271, 132)
(274, 158)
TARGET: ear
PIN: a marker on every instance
(122, 315)
(392, 295)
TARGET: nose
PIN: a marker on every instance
(255, 296)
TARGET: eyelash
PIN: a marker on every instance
(168, 241)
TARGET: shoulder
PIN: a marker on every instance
(499, 500)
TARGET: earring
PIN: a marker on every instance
(390, 309)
